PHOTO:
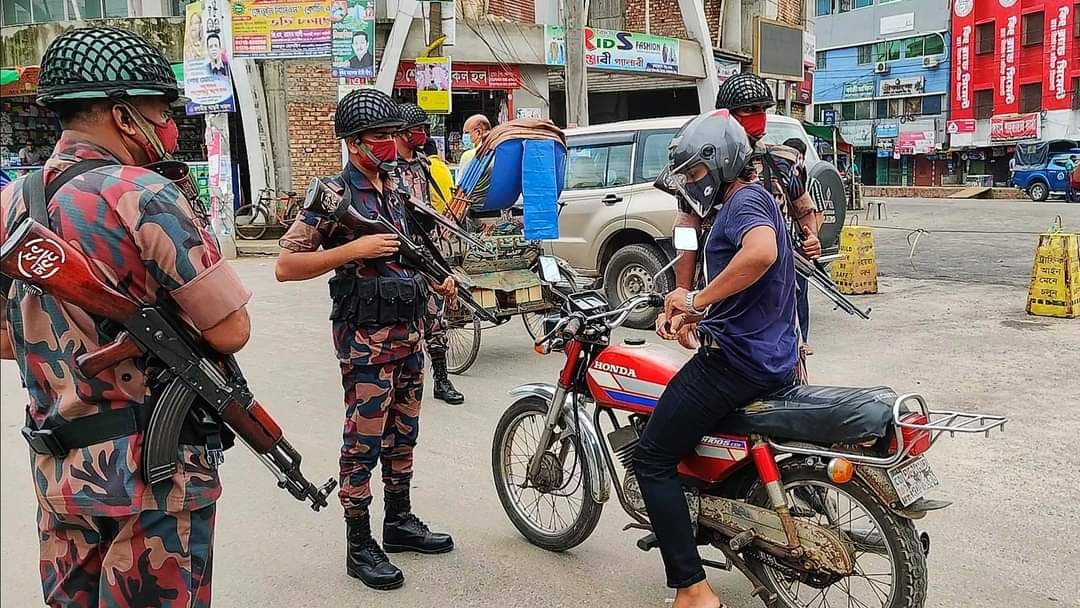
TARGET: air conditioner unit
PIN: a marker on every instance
(930, 61)
(881, 68)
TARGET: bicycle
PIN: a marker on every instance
(253, 220)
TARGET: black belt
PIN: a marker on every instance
(82, 432)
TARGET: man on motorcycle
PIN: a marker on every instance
(745, 318)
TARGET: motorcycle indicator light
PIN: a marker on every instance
(841, 470)
(541, 349)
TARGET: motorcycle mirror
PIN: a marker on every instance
(549, 269)
(685, 239)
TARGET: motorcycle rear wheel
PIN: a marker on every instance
(526, 503)
(882, 540)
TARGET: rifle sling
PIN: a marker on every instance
(37, 195)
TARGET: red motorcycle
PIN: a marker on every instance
(812, 493)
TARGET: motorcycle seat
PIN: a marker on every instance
(817, 414)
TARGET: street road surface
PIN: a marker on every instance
(1010, 540)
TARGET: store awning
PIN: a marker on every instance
(15, 82)
(606, 81)
(829, 134)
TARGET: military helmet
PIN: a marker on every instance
(717, 141)
(103, 63)
(413, 116)
(744, 90)
(365, 110)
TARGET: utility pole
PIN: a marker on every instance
(577, 83)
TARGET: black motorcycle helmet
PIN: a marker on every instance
(413, 116)
(743, 91)
(716, 141)
(364, 110)
(94, 63)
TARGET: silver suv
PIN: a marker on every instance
(615, 226)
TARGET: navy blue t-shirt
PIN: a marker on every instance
(755, 328)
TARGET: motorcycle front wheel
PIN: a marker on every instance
(555, 510)
(890, 565)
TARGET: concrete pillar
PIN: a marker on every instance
(693, 12)
(277, 120)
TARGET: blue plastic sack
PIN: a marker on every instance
(505, 182)
(542, 173)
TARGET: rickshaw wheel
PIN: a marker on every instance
(463, 342)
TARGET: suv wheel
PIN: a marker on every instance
(1038, 192)
(629, 272)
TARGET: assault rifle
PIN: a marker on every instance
(332, 200)
(815, 275)
(190, 370)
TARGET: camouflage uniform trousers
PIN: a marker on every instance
(436, 326)
(382, 420)
(150, 558)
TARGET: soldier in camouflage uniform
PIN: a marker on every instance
(106, 537)
(414, 171)
(379, 308)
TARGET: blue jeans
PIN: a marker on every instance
(802, 305)
(704, 391)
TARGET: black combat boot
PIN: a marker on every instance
(365, 559)
(403, 531)
(444, 389)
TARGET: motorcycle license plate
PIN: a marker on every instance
(912, 480)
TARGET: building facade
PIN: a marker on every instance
(882, 77)
(1015, 78)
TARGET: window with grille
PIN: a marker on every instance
(984, 103)
(819, 61)
(1076, 93)
(1033, 29)
(866, 54)
(931, 104)
(1031, 97)
(984, 38)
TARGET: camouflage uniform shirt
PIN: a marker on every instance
(353, 344)
(139, 233)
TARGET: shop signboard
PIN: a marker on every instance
(726, 69)
(858, 89)
(805, 92)
(961, 104)
(888, 130)
(859, 136)
(434, 86)
(465, 76)
(352, 23)
(915, 142)
(1059, 28)
(1015, 127)
(20, 82)
(281, 29)
(901, 87)
(207, 67)
(1008, 55)
(895, 24)
(828, 117)
(960, 127)
(615, 50)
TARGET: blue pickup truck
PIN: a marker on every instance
(1041, 169)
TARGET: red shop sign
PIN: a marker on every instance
(471, 76)
(1014, 127)
(964, 125)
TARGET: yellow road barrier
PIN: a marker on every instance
(1055, 276)
(856, 271)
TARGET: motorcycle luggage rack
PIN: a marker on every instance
(938, 423)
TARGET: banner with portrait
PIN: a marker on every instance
(353, 26)
(433, 84)
(207, 46)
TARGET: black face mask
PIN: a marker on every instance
(703, 191)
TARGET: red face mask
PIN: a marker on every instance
(378, 155)
(753, 123)
(417, 139)
(167, 134)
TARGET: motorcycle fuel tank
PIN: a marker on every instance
(631, 377)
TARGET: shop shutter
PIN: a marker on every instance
(622, 82)
(522, 11)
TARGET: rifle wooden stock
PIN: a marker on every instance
(254, 424)
(37, 256)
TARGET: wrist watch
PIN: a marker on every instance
(690, 295)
